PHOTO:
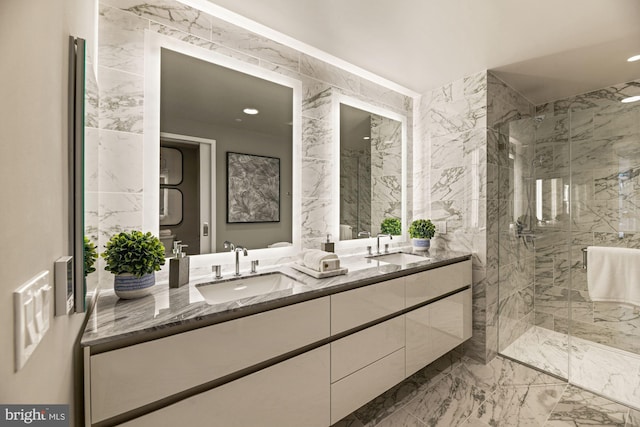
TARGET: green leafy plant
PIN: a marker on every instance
(391, 226)
(90, 253)
(134, 252)
(422, 229)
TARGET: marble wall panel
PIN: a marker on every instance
(608, 97)
(121, 40)
(122, 25)
(118, 173)
(203, 43)
(168, 12)
(121, 101)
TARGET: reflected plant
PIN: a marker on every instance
(391, 226)
(90, 253)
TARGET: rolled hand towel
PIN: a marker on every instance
(318, 260)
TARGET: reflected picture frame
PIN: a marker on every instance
(253, 188)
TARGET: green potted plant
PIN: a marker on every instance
(391, 226)
(90, 256)
(133, 257)
(421, 231)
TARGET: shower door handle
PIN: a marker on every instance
(205, 229)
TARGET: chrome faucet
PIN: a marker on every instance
(378, 241)
(237, 250)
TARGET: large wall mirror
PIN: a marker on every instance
(221, 151)
(370, 174)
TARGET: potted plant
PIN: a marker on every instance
(90, 256)
(421, 231)
(133, 257)
(391, 226)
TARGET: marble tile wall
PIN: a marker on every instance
(386, 167)
(91, 164)
(122, 25)
(355, 188)
(450, 184)
(510, 148)
(594, 140)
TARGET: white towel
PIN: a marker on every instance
(613, 274)
(318, 260)
(280, 245)
(346, 232)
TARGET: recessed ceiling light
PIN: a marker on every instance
(238, 120)
(250, 111)
(631, 99)
(366, 137)
(634, 58)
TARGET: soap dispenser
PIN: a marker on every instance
(178, 266)
(328, 246)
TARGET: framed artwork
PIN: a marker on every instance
(253, 188)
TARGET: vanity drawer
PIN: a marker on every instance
(365, 347)
(437, 328)
(353, 391)
(127, 378)
(353, 308)
(431, 284)
(293, 393)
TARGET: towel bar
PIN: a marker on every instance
(584, 258)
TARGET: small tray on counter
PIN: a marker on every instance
(319, 274)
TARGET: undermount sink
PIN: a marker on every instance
(246, 287)
(399, 258)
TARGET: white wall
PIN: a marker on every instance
(33, 173)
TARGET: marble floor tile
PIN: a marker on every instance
(398, 396)
(401, 418)
(520, 406)
(578, 407)
(603, 369)
(456, 391)
(610, 372)
(448, 403)
(633, 420)
(543, 349)
(349, 421)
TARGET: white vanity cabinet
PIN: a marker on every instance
(435, 329)
(128, 378)
(307, 364)
(293, 393)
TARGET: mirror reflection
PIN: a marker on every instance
(370, 173)
(206, 112)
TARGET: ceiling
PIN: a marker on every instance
(545, 49)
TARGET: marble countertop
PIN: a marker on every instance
(115, 323)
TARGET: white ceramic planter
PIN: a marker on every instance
(421, 244)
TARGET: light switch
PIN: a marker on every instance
(32, 313)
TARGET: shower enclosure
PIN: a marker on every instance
(570, 178)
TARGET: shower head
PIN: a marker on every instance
(539, 118)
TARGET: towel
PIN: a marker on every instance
(318, 260)
(280, 245)
(613, 274)
(346, 232)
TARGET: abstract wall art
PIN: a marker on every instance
(253, 188)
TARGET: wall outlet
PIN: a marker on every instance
(441, 227)
(32, 311)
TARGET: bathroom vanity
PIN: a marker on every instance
(307, 355)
